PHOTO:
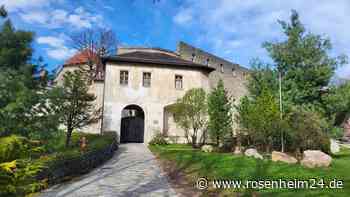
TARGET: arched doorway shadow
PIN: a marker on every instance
(132, 124)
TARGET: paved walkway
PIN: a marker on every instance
(133, 171)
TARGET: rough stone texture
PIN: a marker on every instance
(133, 171)
(207, 148)
(233, 75)
(335, 147)
(279, 156)
(237, 151)
(252, 152)
(315, 158)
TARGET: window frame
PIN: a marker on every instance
(222, 70)
(182, 79)
(143, 79)
(123, 79)
(234, 72)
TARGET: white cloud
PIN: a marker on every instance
(60, 53)
(107, 7)
(14, 5)
(183, 17)
(51, 41)
(35, 17)
(56, 47)
(234, 27)
(46, 13)
(59, 18)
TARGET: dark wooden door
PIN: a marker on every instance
(132, 130)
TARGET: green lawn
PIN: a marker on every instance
(196, 163)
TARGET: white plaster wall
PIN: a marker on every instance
(151, 99)
(59, 77)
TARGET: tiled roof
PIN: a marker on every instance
(156, 58)
(81, 57)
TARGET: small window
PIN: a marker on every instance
(245, 75)
(208, 61)
(178, 82)
(146, 79)
(222, 68)
(234, 72)
(124, 77)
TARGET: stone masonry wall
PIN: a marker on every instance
(233, 75)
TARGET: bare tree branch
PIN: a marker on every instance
(95, 44)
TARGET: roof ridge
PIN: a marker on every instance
(151, 48)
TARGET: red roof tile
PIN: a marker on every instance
(81, 57)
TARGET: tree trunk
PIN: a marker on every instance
(187, 137)
(217, 141)
(194, 141)
(194, 138)
(68, 137)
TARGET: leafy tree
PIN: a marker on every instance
(15, 47)
(259, 118)
(262, 76)
(307, 130)
(190, 112)
(219, 111)
(73, 102)
(304, 62)
(3, 12)
(19, 91)
(306, 67)
(16, 101)
(337, 102)
(23, 101)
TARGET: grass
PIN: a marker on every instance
(195, 163)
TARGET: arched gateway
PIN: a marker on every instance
(132, 124)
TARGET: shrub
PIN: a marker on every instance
(13, 147)
(22, 180)
(220, 116)
(337, 132)
(260, 118)
(307, 130)
(158, 139)
(32, 175)
(228, 144)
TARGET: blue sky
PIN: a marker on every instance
(233, 29)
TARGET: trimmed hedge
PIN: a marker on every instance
(32, 174)
(74, 163)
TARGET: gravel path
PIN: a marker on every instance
(133, 171)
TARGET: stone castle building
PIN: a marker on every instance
(137, 86)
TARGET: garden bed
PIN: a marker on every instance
(57, 164)
(194, 164)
